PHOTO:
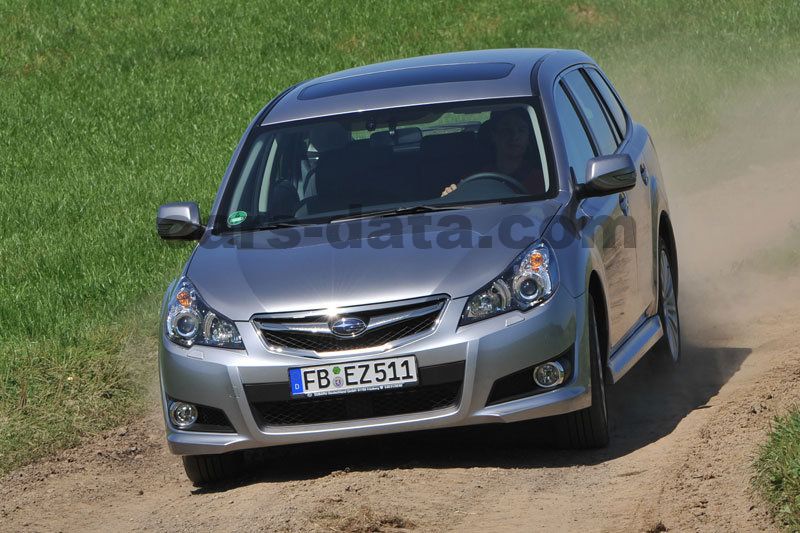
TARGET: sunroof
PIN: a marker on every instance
(407, 77)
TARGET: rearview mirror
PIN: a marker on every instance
(608, 174)
(179, 220)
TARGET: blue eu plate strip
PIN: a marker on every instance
(296, 380)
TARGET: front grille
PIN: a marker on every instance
(329, 343)
(439, 388)
(310, 332)
(357, 405)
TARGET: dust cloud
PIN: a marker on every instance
(734, 202)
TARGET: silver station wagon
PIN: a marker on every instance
(458, 239)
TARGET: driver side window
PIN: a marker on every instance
(576, 139)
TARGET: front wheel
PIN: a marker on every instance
(587, 428)
(207, 469)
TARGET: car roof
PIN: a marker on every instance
(441, 78)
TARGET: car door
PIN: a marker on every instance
(635, 143)
(587, 134)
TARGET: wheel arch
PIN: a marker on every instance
(597, 293)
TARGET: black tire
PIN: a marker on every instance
(668, 348)
(206, 469)
(587, 428)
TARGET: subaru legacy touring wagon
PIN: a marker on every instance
(458, 239)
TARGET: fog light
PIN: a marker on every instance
(549, 375)
(182, 414)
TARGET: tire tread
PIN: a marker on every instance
(207, 469)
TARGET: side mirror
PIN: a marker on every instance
(179, 220)
(608, 174)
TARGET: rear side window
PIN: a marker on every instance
(611, 101)
(576, 140)
(592, 111)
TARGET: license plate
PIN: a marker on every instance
(341, 378)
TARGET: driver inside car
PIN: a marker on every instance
(514, 153)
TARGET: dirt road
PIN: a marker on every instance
(682, 441)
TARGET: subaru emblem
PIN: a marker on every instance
(347, 326)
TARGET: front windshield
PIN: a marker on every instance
(395, 159)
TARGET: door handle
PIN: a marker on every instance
(623, 203)
(643, 172)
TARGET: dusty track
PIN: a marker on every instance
(680, 457)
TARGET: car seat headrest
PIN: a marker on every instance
(329, 136)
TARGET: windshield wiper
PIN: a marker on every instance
(281, 224)
(399, 211)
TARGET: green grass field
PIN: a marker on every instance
(109, 109)
(778, 469)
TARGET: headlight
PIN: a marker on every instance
(190, 321)
(530, 280)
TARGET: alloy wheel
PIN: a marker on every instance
(669, 306)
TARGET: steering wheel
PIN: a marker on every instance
(513, 183)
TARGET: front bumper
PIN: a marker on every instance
(489, 350)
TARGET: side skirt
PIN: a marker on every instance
(634, 348)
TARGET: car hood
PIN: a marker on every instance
(309, 267)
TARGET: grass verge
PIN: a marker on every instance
(67, 391)
(778, 470)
